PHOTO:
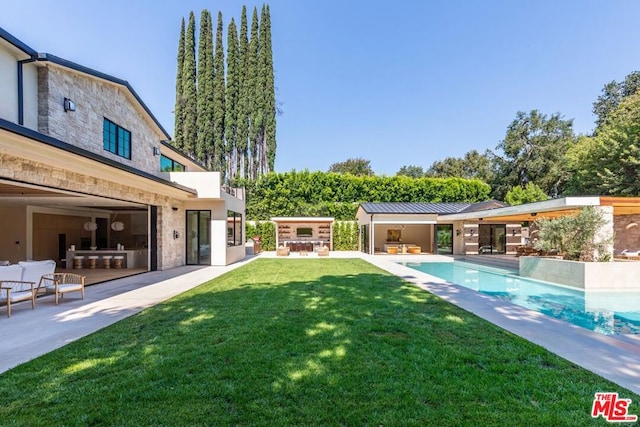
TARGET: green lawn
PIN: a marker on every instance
(302, 342)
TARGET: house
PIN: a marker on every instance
(485, 228)
(84, 165)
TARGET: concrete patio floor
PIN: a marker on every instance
(31, 333)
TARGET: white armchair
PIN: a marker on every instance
(15, 291)
(61, 283)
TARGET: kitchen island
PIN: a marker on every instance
(133, 258)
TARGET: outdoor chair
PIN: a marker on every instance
(61, 283)
(323, 251)
(12, 291)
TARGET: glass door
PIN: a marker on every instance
(492, 239)
(198, 237)
(445, 238)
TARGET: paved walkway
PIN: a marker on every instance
(29, 334)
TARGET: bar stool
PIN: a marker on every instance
(117, 261)
(91, 261)
(77, 261)
(106, 261)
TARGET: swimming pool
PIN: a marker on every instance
(604, 312)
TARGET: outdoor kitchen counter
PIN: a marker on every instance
(133, 258)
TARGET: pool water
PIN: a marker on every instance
(608, 313)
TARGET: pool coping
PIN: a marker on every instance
(616, 358)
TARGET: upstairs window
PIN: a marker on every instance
(170, 165)
(116, 139)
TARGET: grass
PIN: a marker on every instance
(302, 342)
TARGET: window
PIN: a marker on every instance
(115, 139)
(170, 165)
(234, 229)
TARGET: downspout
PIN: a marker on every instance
(371, 245)
(21, 89)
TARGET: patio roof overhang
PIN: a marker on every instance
(46, 150)
(551, 209)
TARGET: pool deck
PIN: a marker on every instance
(31, 333)
(616, 358)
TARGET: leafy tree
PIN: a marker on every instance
(612, 95)
(178, 141)
(411, 171)
(220, 159)
(356, 166)
(529, 194)
(204, 147)
(609, 162)
(232, 93)
(579, 236)
(472, 166)
(534, 149)
(189, 90)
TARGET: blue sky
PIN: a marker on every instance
(397, 83)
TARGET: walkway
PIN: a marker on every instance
(24, 335)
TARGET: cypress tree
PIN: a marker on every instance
(190, 132)
(179, 107)
(232, 89)
(204, 146)
(255, 119)
(243, 99)
(220, 161)
(269, 95)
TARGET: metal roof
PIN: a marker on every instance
(414, 208)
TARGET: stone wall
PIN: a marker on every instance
(95, 100)
(626, 230)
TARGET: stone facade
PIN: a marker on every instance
(626, 230)
(95, 100)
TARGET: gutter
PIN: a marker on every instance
(21, 88)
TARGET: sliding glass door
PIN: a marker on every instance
(198, 237)
(492, 239)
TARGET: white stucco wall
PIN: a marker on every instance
(8, 86)
(30, 95)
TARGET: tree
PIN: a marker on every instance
(220, 162)
(609, 162)
(356, 166)
(204, 148)
(232, 92)
(178, 141)
(189, 90)
(579, 236)
(534, 149)
(472, 166)
(244, 99)
(411, 171)
(254, 112)
(612, 95)
(268, 92)
(529, 194)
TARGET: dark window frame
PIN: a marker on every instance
(173, 165)
(116, 139)
(234, 232)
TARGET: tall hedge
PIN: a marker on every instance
(267, 232)
(345, 236)
(304, 193)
